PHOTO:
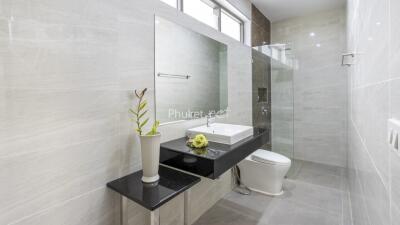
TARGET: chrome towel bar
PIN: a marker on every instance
(178, 76)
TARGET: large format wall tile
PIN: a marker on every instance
(372, 104)
(320, 97)
(67, 72)
(373, 175)
(394, 38)
(94, 207)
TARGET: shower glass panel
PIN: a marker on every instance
(273, 103)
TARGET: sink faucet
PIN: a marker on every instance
(209, 118)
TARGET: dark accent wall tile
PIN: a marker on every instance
(261, 35)
(260, 28)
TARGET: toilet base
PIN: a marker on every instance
(265, 178)
(267, 193)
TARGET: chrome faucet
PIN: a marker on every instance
(209, 118)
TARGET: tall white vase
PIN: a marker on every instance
(150, 146)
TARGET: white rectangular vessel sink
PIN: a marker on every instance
(222, 133)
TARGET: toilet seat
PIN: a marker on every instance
(265, 156)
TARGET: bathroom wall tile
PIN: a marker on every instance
(320, 105)
(95, 207)
(260, 28)
(395, 177)
(395, 98)
(40, 120)
(373, 42)
(239, 78)
(394, 38)
(170, 214)
(67, 71)
(136, 52)
(395, 214)
(376, 198)
(371, 164)
(355, 159)
(374, 194)
(206, 193)
(372, 104)
(41, 180)
(321, 77)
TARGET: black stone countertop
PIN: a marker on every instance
(152, 196)
(215, 160)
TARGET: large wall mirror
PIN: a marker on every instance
(190, 73)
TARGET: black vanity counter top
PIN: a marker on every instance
(152, 196)
(215, 160)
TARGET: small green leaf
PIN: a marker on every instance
(153, 130)
(143, 123)
(142, 105)
(141, 115)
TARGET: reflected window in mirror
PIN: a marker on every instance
(173, 3)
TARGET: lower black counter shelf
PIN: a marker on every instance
(216, 160)
(152, 196)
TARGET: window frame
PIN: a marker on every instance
(216, 10)
(220, 9)
(233, 17)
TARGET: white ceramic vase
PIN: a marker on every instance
(150, 147)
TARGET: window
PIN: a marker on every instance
(173, 3)
(204, 11)
(212, 14)
(231, 26)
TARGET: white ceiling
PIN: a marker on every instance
(277, 10)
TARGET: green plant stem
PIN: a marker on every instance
(137, 116)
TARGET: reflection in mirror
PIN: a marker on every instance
(190, 73)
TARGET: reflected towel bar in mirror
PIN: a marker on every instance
(174, 75)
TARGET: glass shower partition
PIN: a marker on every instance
(281, 64)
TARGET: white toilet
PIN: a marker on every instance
(263, 171)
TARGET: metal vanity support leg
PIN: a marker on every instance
(186, 206)
(154, 218)
(123, 216)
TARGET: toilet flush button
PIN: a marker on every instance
(393, 134)
(396, 142)
(390, 136)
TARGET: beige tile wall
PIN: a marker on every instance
(67, 71)
(319, 84)
(373, 33)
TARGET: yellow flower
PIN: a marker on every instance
(199, 141)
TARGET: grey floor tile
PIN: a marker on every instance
(314, 195)
(323, 168)
(327, 199)
(255, 201)
(294, 213)
(225, 213)
(319, 178)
